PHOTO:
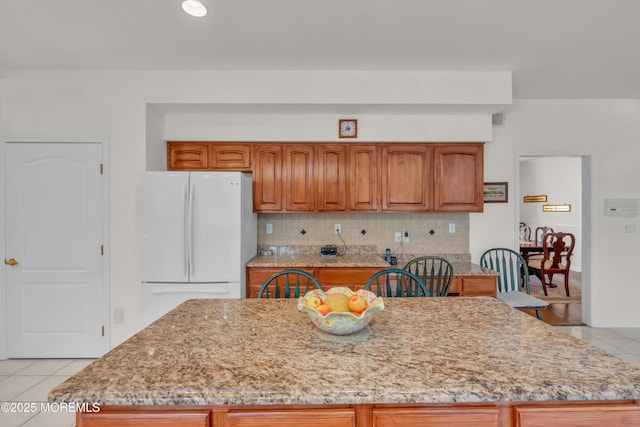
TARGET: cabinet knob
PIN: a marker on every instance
(11, 262)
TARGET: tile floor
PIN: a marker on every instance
(30, 380)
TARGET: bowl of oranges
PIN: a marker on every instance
(340, 311)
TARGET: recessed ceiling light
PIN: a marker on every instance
(194, 8)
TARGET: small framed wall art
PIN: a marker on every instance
(496, 192)
(556, 208)
(533, 199)
(347, 128)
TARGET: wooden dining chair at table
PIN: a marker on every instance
(538, 237)
(525, 232)
(288, 283)
(436, 273)
(557, 250)
(396, 282)
(513, 279)
(540, 232)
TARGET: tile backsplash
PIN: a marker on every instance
(369, 229)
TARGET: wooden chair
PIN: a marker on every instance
(540, 232)
(538, 239)
(436, 274)
(556, 259)
(284, 282)
(525, 232)
(513, 281)
(396, 282)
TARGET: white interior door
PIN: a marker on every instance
(56, 300)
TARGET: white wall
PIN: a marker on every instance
(58, 104)
(606, 130)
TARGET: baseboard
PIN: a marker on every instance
(615, 324)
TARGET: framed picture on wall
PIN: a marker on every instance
(496, 192)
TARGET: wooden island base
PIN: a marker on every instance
(512, 414)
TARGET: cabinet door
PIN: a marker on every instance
(232, 156)
(363, 177)
(331, 170)
(267, 178)
(300, 187)
(406, 177)
(187, 156)
(458, 175)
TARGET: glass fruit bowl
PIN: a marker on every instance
(341, 322)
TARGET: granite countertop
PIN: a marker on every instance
(460, 268)
(418, 350)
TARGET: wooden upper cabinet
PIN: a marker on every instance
(458, 175)
(267, 178)
(406, 177)
(299, 184)
(331, 177)
(236, 157)
(354, 177)
(363, 177)
(187, 156)
(208, 156)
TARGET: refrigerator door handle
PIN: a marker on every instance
(186, 226)
(190, 232)
(183, 292)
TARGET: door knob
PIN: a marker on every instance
(11, 261)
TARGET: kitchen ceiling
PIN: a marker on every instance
(555, 48)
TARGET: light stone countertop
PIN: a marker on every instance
(460, 268)
(418, 350)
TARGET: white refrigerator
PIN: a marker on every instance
(198, 231)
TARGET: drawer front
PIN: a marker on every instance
(479, 286)
(578, 416)
(476, 417)
(456, 286)
(345, 275)
(256, 276)
(293, 418)
(144, 419)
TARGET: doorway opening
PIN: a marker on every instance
(554, 191)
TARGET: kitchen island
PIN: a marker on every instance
(446, 361)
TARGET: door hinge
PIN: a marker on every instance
(103, 331)
(101, 169)
(101, 249)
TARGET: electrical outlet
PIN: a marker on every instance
(269, 228)
(338, 228)
(452, 228)
(405, 237)
(398, 237)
